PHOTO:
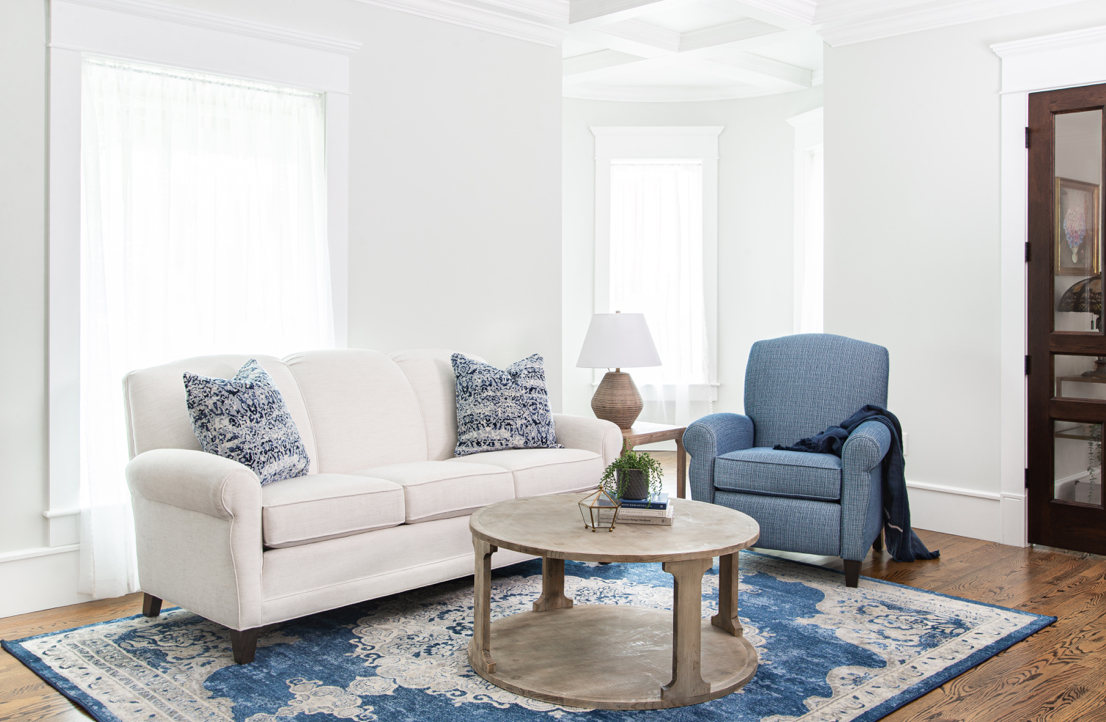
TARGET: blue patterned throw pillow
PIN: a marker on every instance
(499, 410)
(245, 419)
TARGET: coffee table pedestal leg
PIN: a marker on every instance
(687, 609)
(480, 647)
(726, 618)
(552, 586)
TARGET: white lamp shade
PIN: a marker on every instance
(618, 340)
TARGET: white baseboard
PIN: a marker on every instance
(35, 579)
(954, 510)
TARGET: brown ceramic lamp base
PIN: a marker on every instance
(617, 399)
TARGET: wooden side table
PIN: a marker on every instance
(645, 433)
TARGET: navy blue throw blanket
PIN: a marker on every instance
(903, 544)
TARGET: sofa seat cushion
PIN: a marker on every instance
(538, 472)
(794, 474)
(439, 490)
(326, 506)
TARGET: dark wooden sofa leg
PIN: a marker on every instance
(852, 573)
(877, 545)
(151, 605)
(244, 644)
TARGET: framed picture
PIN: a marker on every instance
(1077, 229)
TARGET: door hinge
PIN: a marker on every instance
(1027, 254)
(1027, 136)
(1028, 364)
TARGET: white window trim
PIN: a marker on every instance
(808, 139)
(179, 37)
(1028, 66)
(698, 143)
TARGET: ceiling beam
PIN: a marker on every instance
(594, 13)
(600, 60)
(725, 35)
(758, 70)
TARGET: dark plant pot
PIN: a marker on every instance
(633, 484)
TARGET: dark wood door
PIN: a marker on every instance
(1067, 346)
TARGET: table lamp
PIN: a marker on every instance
(618, 340)
(1085, 296)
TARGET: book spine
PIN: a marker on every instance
(643, 505)
(645, 520)
(631, 511)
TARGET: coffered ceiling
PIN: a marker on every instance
(678, 50)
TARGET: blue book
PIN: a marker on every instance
(660, 501)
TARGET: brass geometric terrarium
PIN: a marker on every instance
(599, 510)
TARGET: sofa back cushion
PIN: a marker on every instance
(157, 412)
(430, 374)
(362, 409)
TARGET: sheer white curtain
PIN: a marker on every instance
(203, 230)
(657, 269)
(811, 292)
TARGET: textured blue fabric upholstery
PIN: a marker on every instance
(781, 473)
(790, 525)
(708, 438)
(796, 387)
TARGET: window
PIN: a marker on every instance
(191, 195)
(809, 222)
(656, 250)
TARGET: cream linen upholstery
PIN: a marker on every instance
(538, 472)
(325, 506)
(384, 508)
(437, 490)
(157, 413)
(362, 410)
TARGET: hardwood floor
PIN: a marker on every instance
(1055, 675)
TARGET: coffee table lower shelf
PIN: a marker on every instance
(608, 657)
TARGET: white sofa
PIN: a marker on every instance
(384, 507)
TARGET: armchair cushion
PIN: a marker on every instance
(326, 506)
(791, 474)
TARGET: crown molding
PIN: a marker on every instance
(1046, 43)
(225, 23)
(537, 21)
(856, 21)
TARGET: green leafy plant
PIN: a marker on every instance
(615, 484)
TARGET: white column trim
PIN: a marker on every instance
(809, 136)
(1030, 65)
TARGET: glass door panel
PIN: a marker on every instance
(1077, 252)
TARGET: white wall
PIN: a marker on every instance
(454, 228)
(912, 242)
(755, 242)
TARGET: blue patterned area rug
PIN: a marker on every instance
(826, 653)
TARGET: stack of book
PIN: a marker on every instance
(655, 510)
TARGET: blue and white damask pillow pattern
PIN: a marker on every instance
(499, 410)
(245, 419)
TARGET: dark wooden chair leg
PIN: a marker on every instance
(852, 573)
(244, 644)
(151, 605)
(877, 545)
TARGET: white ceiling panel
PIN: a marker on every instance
(690, 17)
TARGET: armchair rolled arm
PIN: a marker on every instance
(866, 445)
(862, 487)
(708, 438)
(197, 481)
(582, 432)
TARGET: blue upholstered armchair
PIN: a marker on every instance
(796, 387)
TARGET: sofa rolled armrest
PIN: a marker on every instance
(195, 480)
(582, 432)
(709, 438)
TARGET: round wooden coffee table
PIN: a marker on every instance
(605, 655)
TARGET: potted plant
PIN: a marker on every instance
(633, 475)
